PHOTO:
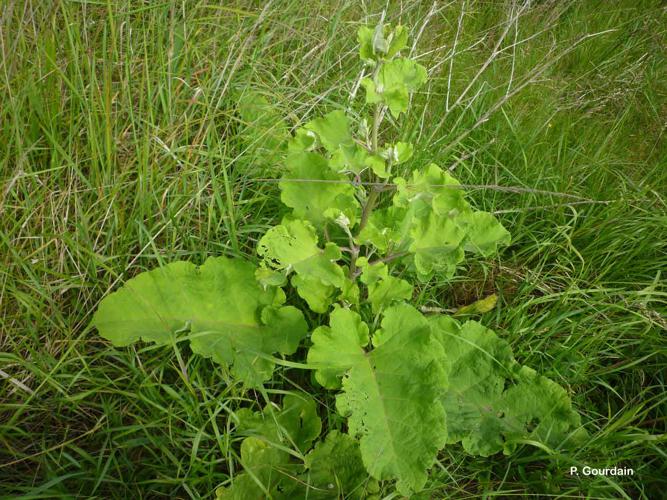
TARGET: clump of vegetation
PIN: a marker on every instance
(366, 225)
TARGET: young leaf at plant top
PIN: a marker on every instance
(228, 315)
(292, 246)
(381, 42)
(391, 395)
(492, 401)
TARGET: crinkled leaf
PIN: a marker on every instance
(333, 132)
(441, 224)
(347, 333)
(383, 289)
(335, 469)
(315, 192)
(436, 244)
(295, 424)
(428, 185)
(394, 83)
(381, 229)
(391, 395)
(492, 401)
(303, 140)
(292, 246)
(229, 315)
(318, 295)
(349, 158)
(350, 292)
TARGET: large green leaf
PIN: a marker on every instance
(333, 469)
(228, 315)
(485, 233)
(493, 402)
(391, 394)
(315, 192)
(439, 225)
(333, 130)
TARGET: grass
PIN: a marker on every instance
(121, 147)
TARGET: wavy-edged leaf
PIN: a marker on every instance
(229, 316)
(293, 246)
(441, 225)
(391, 394)
(492, 401)
(485, 233)
(332, 129)
(315, 192)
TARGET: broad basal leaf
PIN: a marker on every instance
(293, 246)
(493, 402)
(229, 316)
(391, 394)
(296, 424)
(315, 192)
(394, 83)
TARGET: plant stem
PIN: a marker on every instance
(369, 205)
